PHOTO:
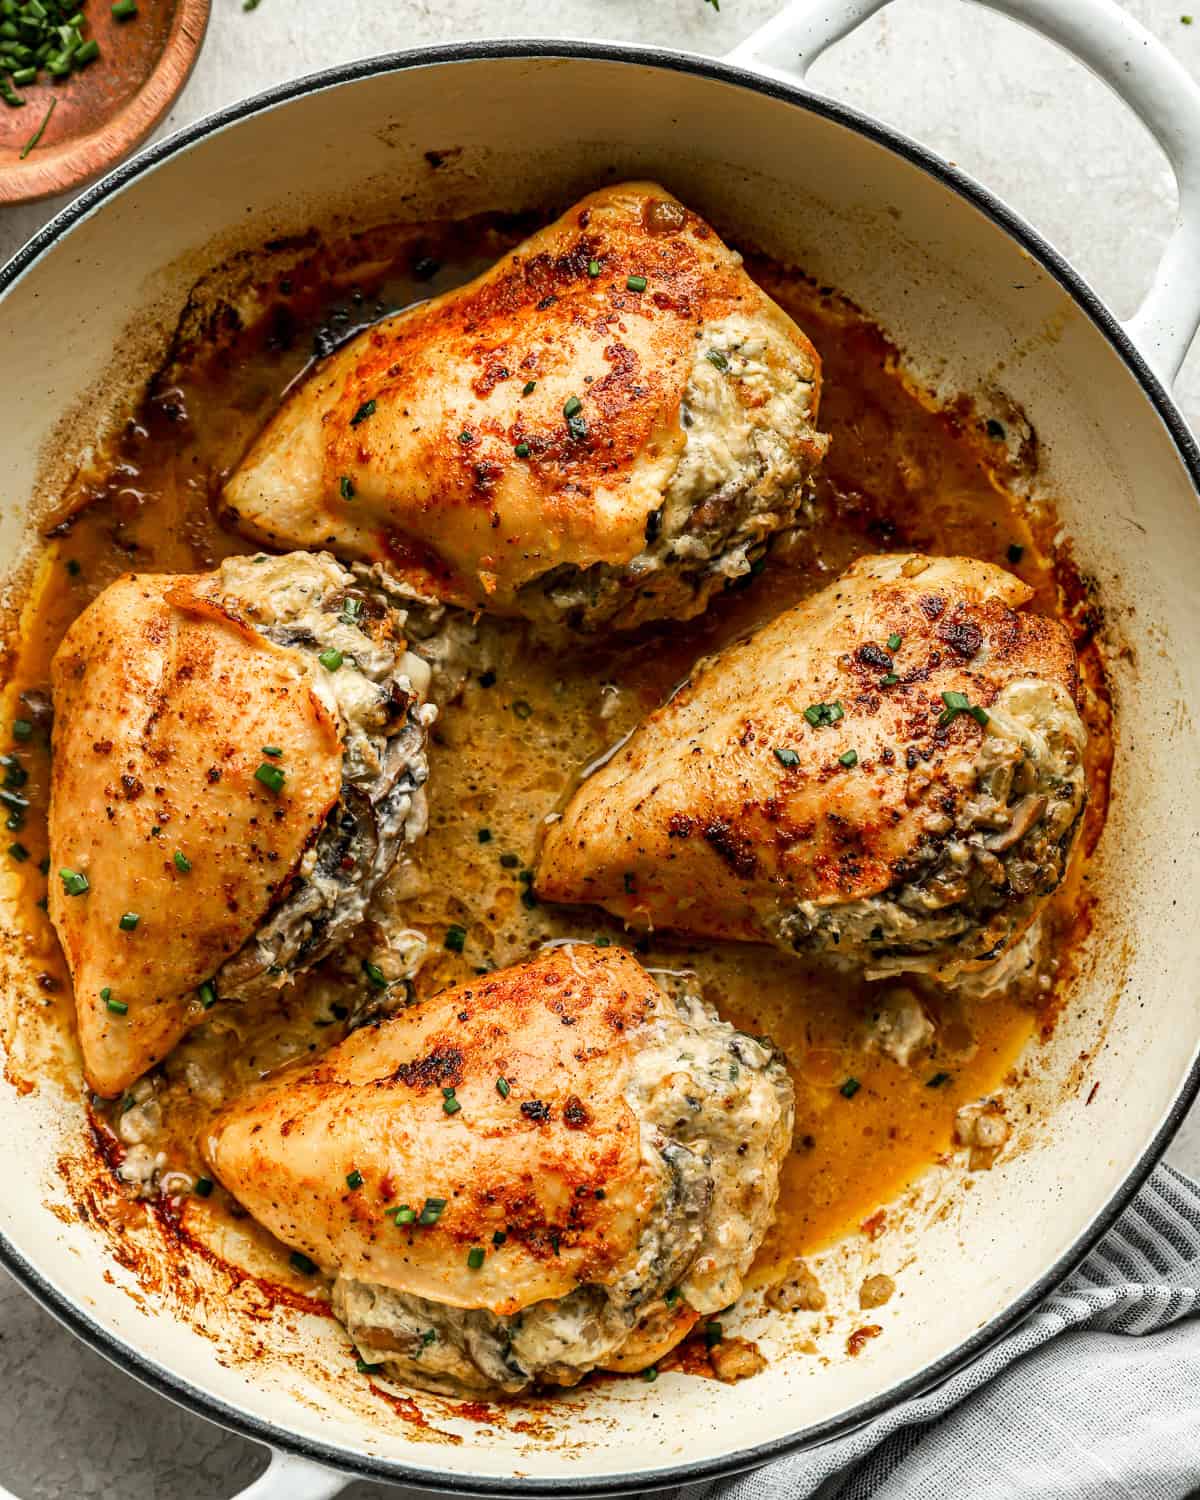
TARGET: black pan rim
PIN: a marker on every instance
(358, 1465)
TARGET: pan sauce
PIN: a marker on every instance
(900, 473)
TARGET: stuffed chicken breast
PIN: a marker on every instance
(238, 757)
(603, 429)
(891, 772)
(553, 1169)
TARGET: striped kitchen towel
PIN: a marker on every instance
(1096, 1395)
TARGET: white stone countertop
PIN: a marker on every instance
(1001, 103)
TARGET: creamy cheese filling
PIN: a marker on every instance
(979, 876)
(715, 1111)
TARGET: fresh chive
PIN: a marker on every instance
(346, 487)
(1015, 552)
(510, 861)
(203, 1187)
(672, 1296)
(889, 680)
(129, 921)
(360, 1365)
(475, 1257)
(449, 1103)
(18, 852)
(207, 993)
(88, 53)
(354, 1180)
(821, 715)
(593, 268)
(713, 1334)
(602, 941)
(577, 427)
(573, 405)
(22, 729)
(484, 835)
(522, 709)
(367, 409)
(786, 757)
(124, 10)
(465, 437)
(300, 1262)
(893, 643)
(432, 1211)
(849, 1088)
(499, 1238)
(272, 750)
(503, 1087)
(529, 388)
(715, 357)
(650, 1373)
(405, 1215)
(118, 1007)
(331, 660)
(74, 883)
(636, 283)
(959, 703)
(182, 863)
(376, 978)
(522, 450)
(848, 758)
(456, 938)
(15, 774)
(270, 776)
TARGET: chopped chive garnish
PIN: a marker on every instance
(74, 883)
(848, 758)
(499, 1237)
(937, 1080)
(182, 863)
(889, 680)
(203, 1187)
(510, 861)
(1015, 553)
(18, 852)
(22, 729)
(272, 750)
(959, 703)
(574, 404)
(465, 438)
(124, 10)
(522, 709)
(456, 938)
(15, 774)
(346, 487)
(118, 1007)
(529, 388)
(331, 660)
(73, 567)
(376, 978)
(713, 1334)
(129, 921)
(432, 1211)
(672, 1296)
(484, 835)
(786, 757)
(602, 940)
(207, 993)
(354, 1180)
(849, 1088)
(27, 76)
(820, 715)
(405, 1215)
(89, 52)
(593, 268)
(367, 409)
(475, 1257)
(650, 1373)
(636, 283)
(715, 357)
(522, 450)
(449, 1103)
(361, 1365)
(300, 1262)
(270, 776)
(893, 643)
(503, 1087)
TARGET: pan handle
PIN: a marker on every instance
(1135, 65)
(289, 1478)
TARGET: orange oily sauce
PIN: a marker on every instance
(901, 474)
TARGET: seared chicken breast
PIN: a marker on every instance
(238, 757)
(891, 772)
(551, 1169)
(603, 429)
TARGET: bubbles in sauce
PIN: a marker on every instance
(901, 474)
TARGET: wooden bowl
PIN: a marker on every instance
(106, 109)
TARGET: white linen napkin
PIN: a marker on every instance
(1095, 1395)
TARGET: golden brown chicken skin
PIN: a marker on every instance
(552, 1168)
(890, 772)
(603, 429)
(218, 805)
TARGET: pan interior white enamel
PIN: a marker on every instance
(971, 311)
